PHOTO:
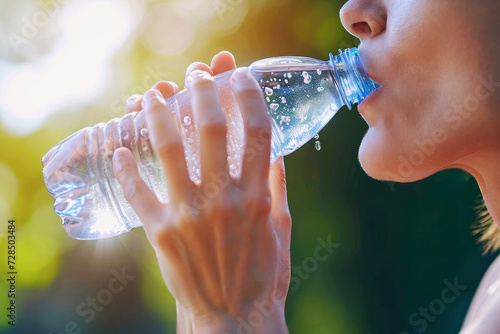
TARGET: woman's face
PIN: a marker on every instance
(439, 65)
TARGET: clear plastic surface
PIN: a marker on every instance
(302, 95)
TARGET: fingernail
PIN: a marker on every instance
(241, 74)
(197, 75)
(150, 95)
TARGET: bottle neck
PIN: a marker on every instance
(350, 74)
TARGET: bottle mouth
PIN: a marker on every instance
(353, 80)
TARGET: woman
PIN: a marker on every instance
(227, 263)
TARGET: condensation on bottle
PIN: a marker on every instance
(302, 95)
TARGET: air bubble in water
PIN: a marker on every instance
(286, 80)
(307, 77)
(232, 168)
(144, 132)
(187, 121)
(318, 71)
(274, 106)
(289, 75)
(268, 91)
(285, 119)
(283, 99)
(317, 145)
(268, 99)
(320, 89)
(316, 136)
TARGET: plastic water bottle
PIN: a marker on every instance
(302, 95)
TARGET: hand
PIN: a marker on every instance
(227, 263)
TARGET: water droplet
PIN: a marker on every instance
(316, 136)
(318, 71)
(320, 89)
(317, 145)
(307, 77)
(283, 99)
(286, 80)
(269, 91)
(289, 75)
(187, 121)
(144, 132)
(274, 106)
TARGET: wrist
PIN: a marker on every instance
(256, 321)
(184, 322)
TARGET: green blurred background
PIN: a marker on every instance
(69, 64)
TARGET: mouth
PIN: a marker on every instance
(373, 95)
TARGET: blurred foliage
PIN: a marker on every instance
(398, 242)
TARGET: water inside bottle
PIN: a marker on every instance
(300, 103)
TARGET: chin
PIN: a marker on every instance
(381, 160)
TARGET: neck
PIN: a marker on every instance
(484, 167)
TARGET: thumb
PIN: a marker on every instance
(136, 192)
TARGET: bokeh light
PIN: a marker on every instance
(69, 64)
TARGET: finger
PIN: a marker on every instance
(143, 201)
(279, 200)
(223, 62)
(133, 103)
(211, 121)
(166, 88)
(277, 185)
(198, 66)
(257, 151)
(167, 144)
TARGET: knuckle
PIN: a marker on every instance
(168, 149)
(257, 203)
(213, 128)
(259, 128)
(219, 211)
(165, 238)
(132, 188)
(250, 91)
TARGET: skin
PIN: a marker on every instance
(227, 262)
(438, 108)
(434, 110)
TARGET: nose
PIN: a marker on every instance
(364, 19)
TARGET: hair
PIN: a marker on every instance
(487, 230)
